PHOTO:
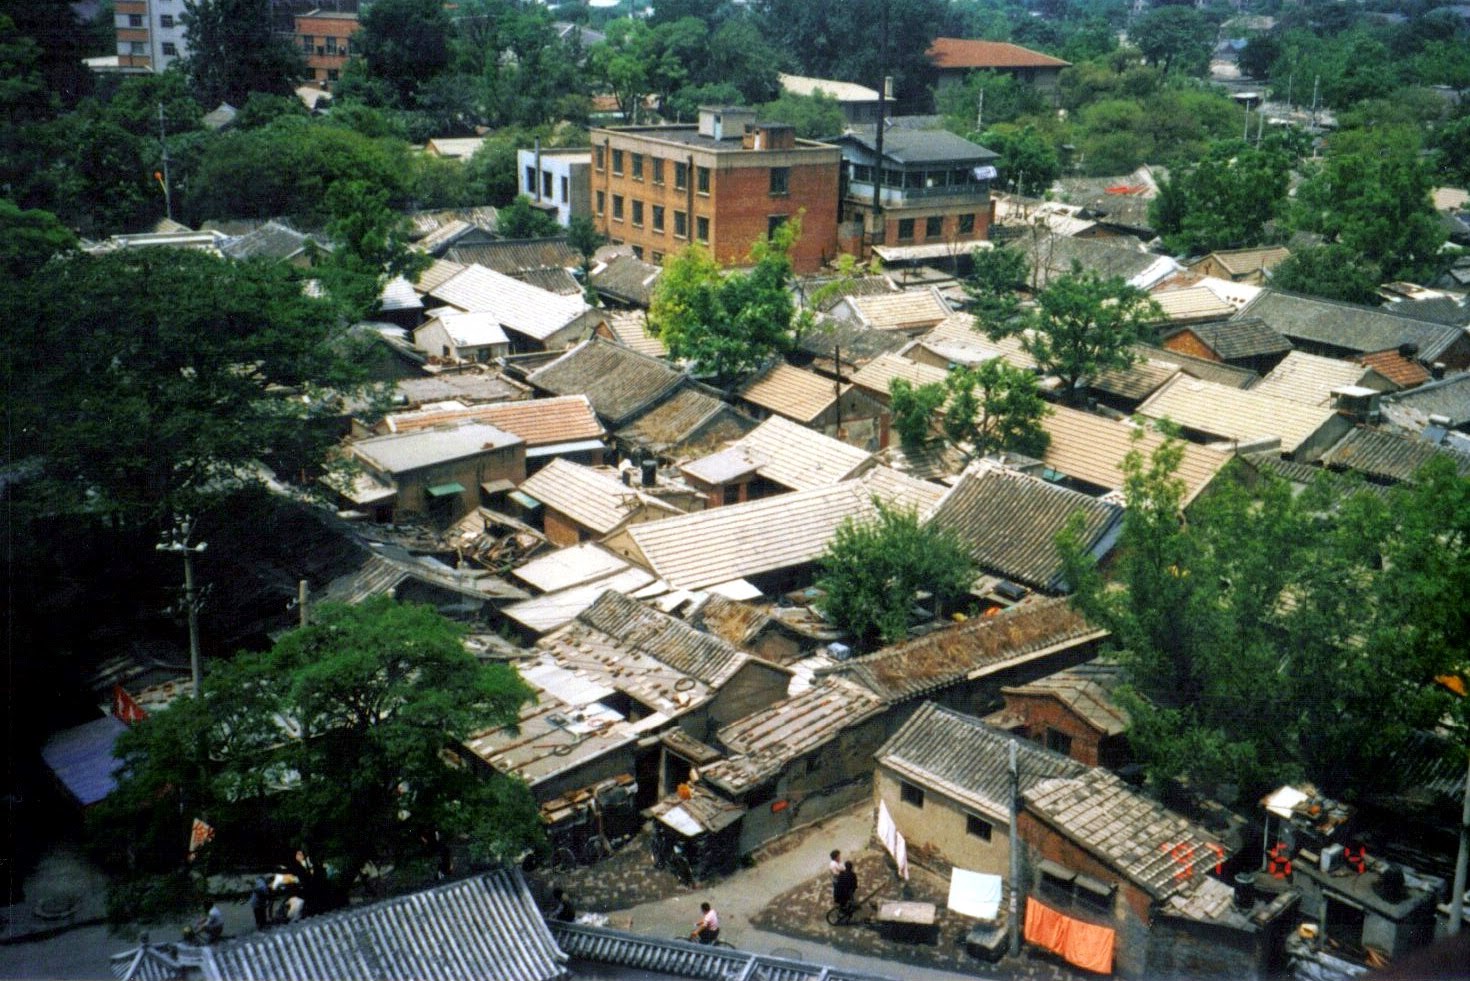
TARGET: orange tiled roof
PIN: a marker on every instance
(1403, 372)
(958, 52)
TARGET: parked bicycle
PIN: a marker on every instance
(860, 911)
(671, 856)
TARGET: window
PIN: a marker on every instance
(681, 225)
(601, 201)
(137, 48)
(977, 827)
(617, 161)
(658, 258)
(934, 227)
(701, 179)
(905, 229)
(331, 45)
(731, 495)
(910, 795)
(1068, 889)
(967, 224)
(774, 222)
(308, 43)
(170, 50)
(637, 166)
(658, 171)
(597, 153)
(333, 74)
(681, 176)
(564, 195)
(1058, 741)
(701, 228)
(658, 218)
(546, 180)
(617, 207)
(530, 180)
(135, 20)
(638, 252)
(638, 213)
(862, 172)
(780, 180)
(165, 20)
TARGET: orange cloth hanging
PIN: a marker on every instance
(1084, 944)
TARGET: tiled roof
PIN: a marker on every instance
(403, 452)
(1388, 456)
(540, 422)
(618, 381)
(270, 241)
(909, 310)
(670, 423)
(439, 272)
(551, 611)
(1087, 690)
(1092, 449)
(1143, 840)
(707, 657)
(630, 329)
(762, 743)
(968, 650)
(791, 392)
(444, 236)
(425, 222)
(1243, 262)
(841, 91)
(1192, 303)
(1448, 397)
(468, 386)
(730, 619)
(1348, 326)
(1009, 523)
(956, 52)
(966, 760)
(957, 340)
(552, 280)
(794, 456)
(1136, 382)
(1436, 309)
(468, 329)
(837, 288)
(1243, 337)
(855, 343)
(517, 255)
(1232, 414)
(1309, 378)
(593, 499)
(877, 374)
(627, 278)
(1051, 256)
(518, 306)
(486, 926)
(1205, 370)
(1403, 372)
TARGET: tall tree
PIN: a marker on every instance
(1334, 272)
(995, 406)
(234, 50)
(323, 754)
(1223, 202)
(30, 239)
(1028, 160)
(1174, 38)
(371, 245)
(403, 43)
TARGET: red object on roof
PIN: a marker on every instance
(1126, 189)
(958, 52)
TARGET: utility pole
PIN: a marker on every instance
(178, 543)
(168, 201)
(980, 113)
(882, 112)
(1015, 910)
(303, 593)
(1316, 81)
(1462, 860)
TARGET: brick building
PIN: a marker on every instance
(325, 39)
(727, 182)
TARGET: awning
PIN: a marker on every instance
(524, 500)
(564, 449)
(446, 490)
(493, 487)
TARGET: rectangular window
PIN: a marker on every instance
(681, 225)
(617, 207)
(658, 218)
(170, 50)
(967, 224)
(601, 201)
(780, 180)
(774, 222)
(1058, 742)
(135, 20)
(658, 171)
(701, 179)
(564, 195)
(977, 827)
(910, 795)
(597, 158)
(546, 180)
(637, 166)
(530, 180)
(934, 227)
(617, 161)
(638, 252)
(333, 74)
(681, 176)
(701, 228)
(862, 172)
(638, 213)
(658, 258)
(905, 229)
(165, 20)
(331, 45)
(308, 43)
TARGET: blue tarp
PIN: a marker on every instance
(82, 758)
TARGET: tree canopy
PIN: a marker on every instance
(235, 50)
(1334, 272)
(403, 43)
(1174, 37)
(991, 407)
(323, 754)
(1223, 202)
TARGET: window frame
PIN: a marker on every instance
(930, 231)
(977, 827)
(635, 166)
(658, 170)
(617, 207)
(166, 20)
(701, 228)
(600, 203)
(636, 216)
(617, 163)
(911, 794)
(967, 224)
(780, 182)
(702, 180)
(902, 236)
(169, 49)
(657, 218)
(681, 176)
(599, 157)
(681, 224)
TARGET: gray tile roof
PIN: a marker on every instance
(1087, 690)
(1347, 326)
(1050, 256)
(1439, 310)
(551, 279)
(403, 452)
(921, 146)
(1388, 456)
(272, 240)
(961, 757)
(487, 926)
(1009, 523)
(978, 647)
(857, 343)
(627, 279)
(517, 255)
(668, 425)
(700, 655)
(1211, 371)
(618, 381)
(1239, 338)
(1448, 397)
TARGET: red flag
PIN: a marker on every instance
(200, 834)
(125, 708)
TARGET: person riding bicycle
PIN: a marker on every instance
(707, 928)
(844, 889)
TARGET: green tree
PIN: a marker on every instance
(995, 276)
(995, 406)
(986, 97)
(135, 392)
(331, 745)
(521, 219)
(874, 569)
(727, 325)
(372, 246)
(1028, 162)
(1333, 271)
(1174, 38)
(583, 236)
(1451, 151)
(1223, 202)
(914, 408)
(403, 43)
(30, 239)
(814, 117)
(234, 50)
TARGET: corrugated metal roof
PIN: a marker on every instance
(1009, 523)
(791, 455)
(1156, 849)
(1388, 456)
(969, 650)
(403, 452)
(908, 311)
(1232, 414)
(487, 926)
(1092, 449)
(879, 373)
(560, 607)
(1243, 337)
(532, 312)
(596, 500)
(791, 392)
(518, 255)
(964, 759)
(618, 381)
(1348, 326)
(1309, 378)
(540, 422)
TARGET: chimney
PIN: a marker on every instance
(650, 472)
(1437, 370)
(1408, 349)
(627, 477)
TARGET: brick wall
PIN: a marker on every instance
(560, 530)
(741, 207)
(1042, 712)
(1185, 342)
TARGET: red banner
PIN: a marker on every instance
(200, 834)
(125, 708)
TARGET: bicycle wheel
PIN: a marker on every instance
(838, 916)
(594, 850)
(657, 852)
(723, 943)
(563, 859)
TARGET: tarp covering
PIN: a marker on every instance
(1088, 946)
(82, 758)
(975, 894)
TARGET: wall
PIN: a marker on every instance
(1042, 712)
(560, 530)
(508, 463)
(1185, 342)
(1180, 948)
(754, 687)
(570, 172)
(936, 834)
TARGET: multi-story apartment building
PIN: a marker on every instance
(727, 182)
(150, 34)
(325, 39)
(559, 179)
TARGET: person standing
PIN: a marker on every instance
(844, 890)
(835, 866)
(260, 903)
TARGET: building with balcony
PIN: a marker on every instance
(727, 182)
(325, 40)
(150, 34)
(935, 189)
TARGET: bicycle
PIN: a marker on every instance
(672, 858)
(845, 914)
(717, 942)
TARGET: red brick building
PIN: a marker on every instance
(727, 182)
(325, 39)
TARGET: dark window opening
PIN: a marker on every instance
(910, 794)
